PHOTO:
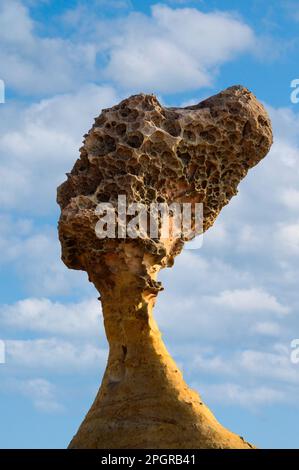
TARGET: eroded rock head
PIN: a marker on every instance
(151, 153)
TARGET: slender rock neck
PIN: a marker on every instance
(133, 335)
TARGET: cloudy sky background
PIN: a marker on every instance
(229, 310)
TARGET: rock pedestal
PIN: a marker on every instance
(151, 154)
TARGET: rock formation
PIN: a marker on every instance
(150, 153)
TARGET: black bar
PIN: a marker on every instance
(88, 459)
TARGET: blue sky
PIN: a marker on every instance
(229, 310)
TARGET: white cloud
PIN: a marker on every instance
(207, 323)
(41, 392)
(273, 365)
(43, 315)
(288, 236)
(290, 197)
(215, 364)
(192, 269)
(260, 376)
(174, 49)
(34, 256)
(38, 64)
(267, 328)
(216, 300)
(236, 394)
(249, 365)
(53, 354)
(15, 23)
(249, 300)
(285, 123)
(169, 50)
(218, 237)
(43, 143)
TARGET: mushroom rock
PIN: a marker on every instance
(150, 153)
